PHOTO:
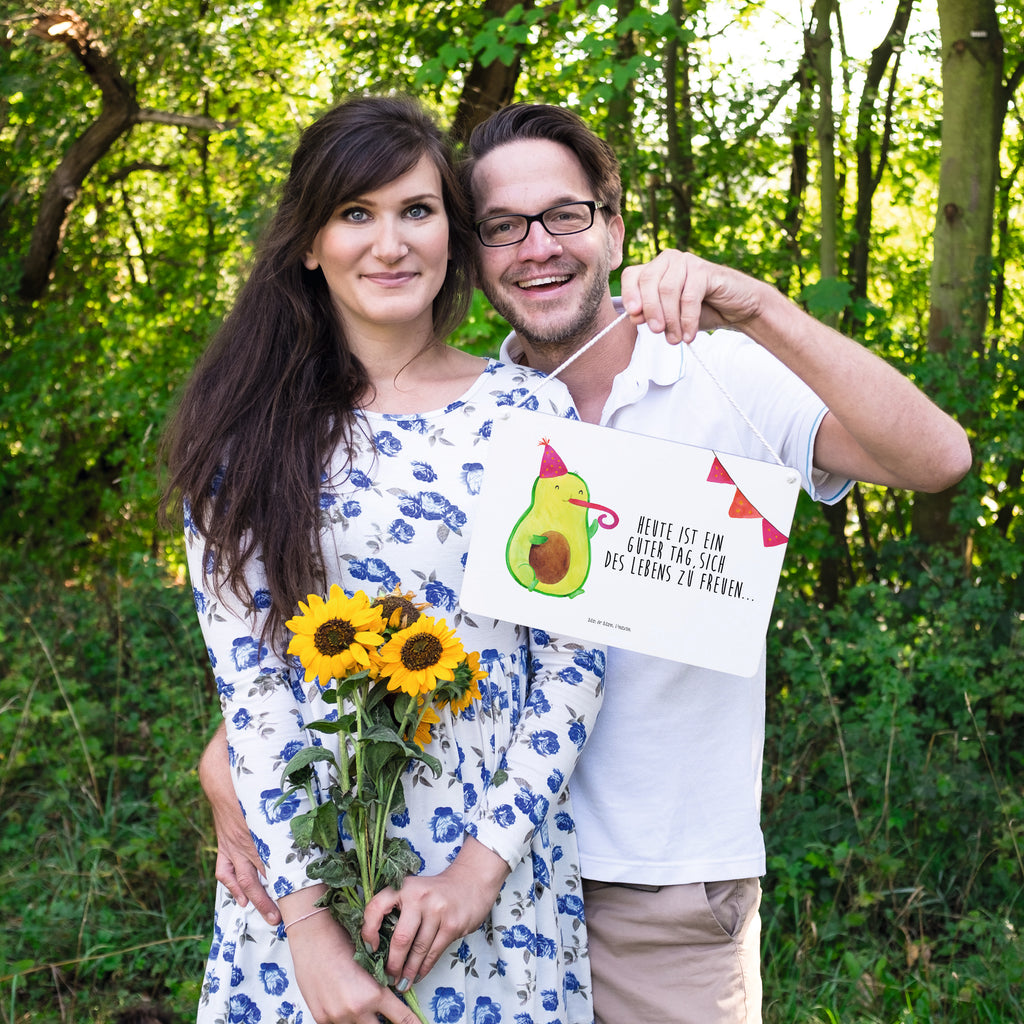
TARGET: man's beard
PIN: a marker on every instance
(567, 336)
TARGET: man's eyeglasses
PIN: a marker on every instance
(564, 219)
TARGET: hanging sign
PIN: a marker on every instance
(630, 541)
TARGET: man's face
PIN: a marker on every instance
(552, 289)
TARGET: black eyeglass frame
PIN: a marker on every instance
(591, 204)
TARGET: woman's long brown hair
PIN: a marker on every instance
(274, 395)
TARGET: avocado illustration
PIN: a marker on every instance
(549, 548)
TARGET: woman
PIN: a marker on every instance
(329, 435)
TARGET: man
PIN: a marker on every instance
(667, 792)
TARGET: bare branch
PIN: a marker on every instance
(119, 112)
(206, 124)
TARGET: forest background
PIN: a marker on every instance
(866, 158)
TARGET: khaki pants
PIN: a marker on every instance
(675, 954)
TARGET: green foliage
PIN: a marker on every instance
(893, 780)
(893, 802)
(107, 866)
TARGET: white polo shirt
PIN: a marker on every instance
(668, 789)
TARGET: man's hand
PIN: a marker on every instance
(435, 910)
(238, 864)
(678, 293)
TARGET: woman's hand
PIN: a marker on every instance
(336, 989)
(435, 910)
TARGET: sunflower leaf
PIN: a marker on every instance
(299, 770)
(325, 827)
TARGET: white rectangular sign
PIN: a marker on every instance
(629, 541)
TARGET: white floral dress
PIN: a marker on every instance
(403, 515)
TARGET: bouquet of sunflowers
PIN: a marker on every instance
(389, 668)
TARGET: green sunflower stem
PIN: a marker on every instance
(414, 1004)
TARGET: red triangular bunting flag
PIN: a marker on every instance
(772, 537)
(718, 475)
(741, 508)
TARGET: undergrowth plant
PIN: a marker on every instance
(893, 800)
(106, 885)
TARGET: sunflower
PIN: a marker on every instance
(399, 609)
(417, 657)
(332, 636)
(423, 734)
(472, 692)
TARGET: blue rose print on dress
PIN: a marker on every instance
(505, 816)
(541, 875)
(289, 750)
(578, 734)
(241, 718)
(415, 425)
(473, 476)
(282, 887)
(484, 433)
(374, 570)
(538, 702)
(199, 599)
(519, 937)
(237, 977)
(533, 805)
(351, 508)
(572, 905)
(386, 443)
(455, 518)
(487, 1011)
(590, 661)
(555, 781)
(242, 1010)
(357, 478)
(545, 742)
(564, 822)
(448, 1006)
(246, 652)
(327, 501)
(262, 600)
(274, 978)
(274, 811)
(424, 472)
(401, 531)
(549, 999)
(446, 825)
(441, 596)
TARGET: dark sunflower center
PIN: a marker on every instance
(334, 636)
(391, 603)
(421, 651)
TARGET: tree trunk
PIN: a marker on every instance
(487, 89)
(973, 104)
(679, 132)
(869, 170)
(819, 55)
(117, 115)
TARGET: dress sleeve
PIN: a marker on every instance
(263, 705)
(564, 696)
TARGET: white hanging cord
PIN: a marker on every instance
(732, 401)
(558, 369)
(721, 387)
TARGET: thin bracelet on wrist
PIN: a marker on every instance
(312, 913)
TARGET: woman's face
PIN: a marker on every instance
(385, 254)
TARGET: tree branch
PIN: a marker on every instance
(119, 112)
